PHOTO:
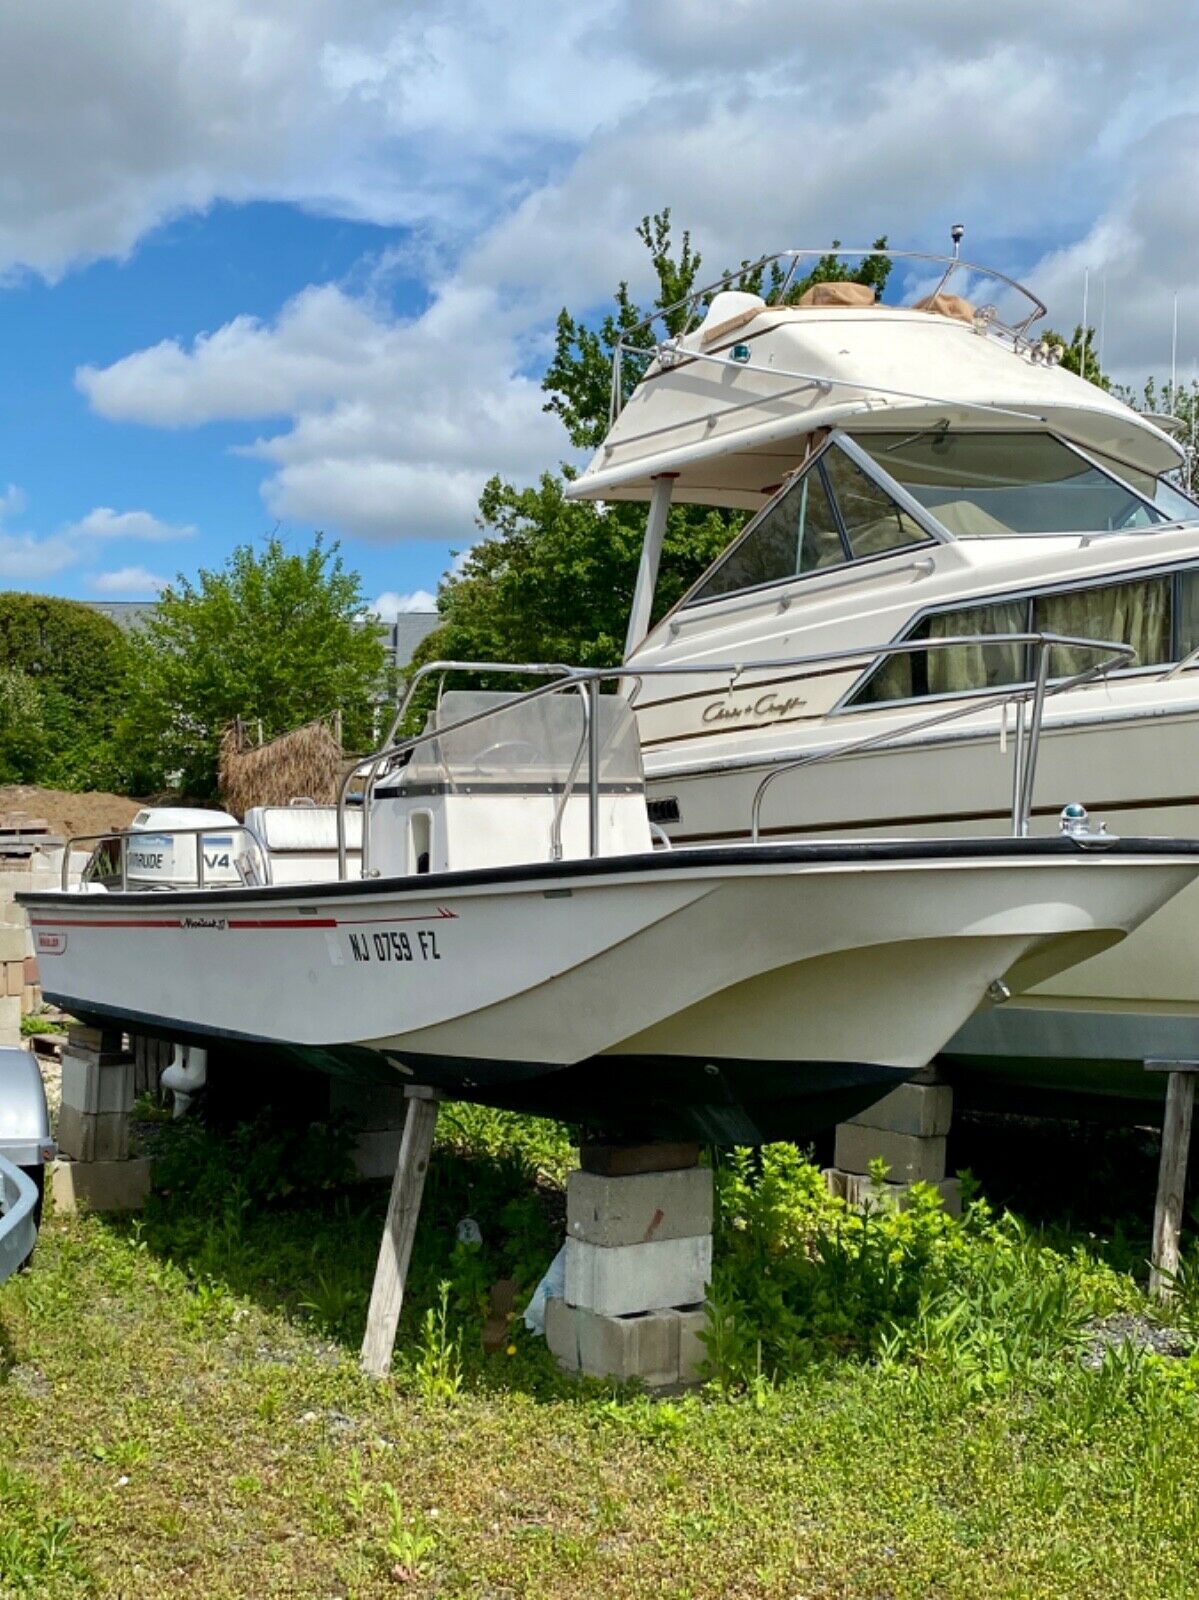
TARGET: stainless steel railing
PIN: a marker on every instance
(122, 836)
(1028, 698)
(680, 318)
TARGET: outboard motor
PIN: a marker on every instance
(164, 859)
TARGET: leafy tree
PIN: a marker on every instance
(22, 728)
(63, 672)
(553, 579)
(274, 636)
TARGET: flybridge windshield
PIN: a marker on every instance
(981, 485)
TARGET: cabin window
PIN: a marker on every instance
(1187, 623)
(832, 514)
(981, 485)
(1137, 613)
(1166, 496)
(874, 523)
(798, 533)
(956, 669)
(1128, 613)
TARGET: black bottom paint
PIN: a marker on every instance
(714, 1100)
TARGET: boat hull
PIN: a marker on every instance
(735, 994)
(1085, 1032)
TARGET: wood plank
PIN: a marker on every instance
(1171, 1182)
(395, 1248)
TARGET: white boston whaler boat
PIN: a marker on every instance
(922, 472)
(512, 935)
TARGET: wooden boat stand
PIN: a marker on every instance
(399, 1230)
(1172, 1173)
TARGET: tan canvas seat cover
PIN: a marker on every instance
(837, 294)
(946, 305)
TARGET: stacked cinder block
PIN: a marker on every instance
(93, 1125)
(34, 868)
(18, 972)
(638, 1263)
(907, 1130)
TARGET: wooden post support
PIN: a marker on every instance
(1172, 1173)
(395, 1249)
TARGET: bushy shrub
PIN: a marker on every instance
(801, 1277)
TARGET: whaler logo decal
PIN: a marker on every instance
(203, 922)
(50, 944)
(766, 705)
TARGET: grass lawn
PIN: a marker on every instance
(931, 1415)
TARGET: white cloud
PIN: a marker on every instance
(30, 557)
(395, 424)
(521, 144)
(104, 523)
(390, 605)
(130, 583)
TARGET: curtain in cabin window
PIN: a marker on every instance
(1126, 613)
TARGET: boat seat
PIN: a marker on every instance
(946, 305)
(307, 829)
(821, 296)
(838, 292)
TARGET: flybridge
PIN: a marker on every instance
(726, 405)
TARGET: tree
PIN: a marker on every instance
(63, 673)
(553, 579)
(23, 744)
(1179, 400)
(275, 637)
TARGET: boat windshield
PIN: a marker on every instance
(990, 485)
(532, 742)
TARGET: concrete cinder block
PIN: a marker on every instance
(10, 1019)
(14, 978)
(92, 1136)
(637, 1210)
(644, 1346)
(92, 1085)
(628, 1278)
(376, 1151)
(923, 1110)
(909, 1158)
(693, 1353)
(857, 1190)
(12, 941)
(33, 974)
(100, 1185)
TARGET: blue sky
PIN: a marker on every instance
(295, 263)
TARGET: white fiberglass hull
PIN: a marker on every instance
(1087, 1029)
(734, 994)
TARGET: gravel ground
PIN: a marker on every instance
(1109, 1333)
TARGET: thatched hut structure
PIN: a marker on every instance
(305, 763)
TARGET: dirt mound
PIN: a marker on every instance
(66, 813)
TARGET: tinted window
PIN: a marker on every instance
(801, 532)
(1137, 613)
(956, 669)
(1188, 614)
(873, 521)
(980, 484)
(1127, 613)
(798, 533)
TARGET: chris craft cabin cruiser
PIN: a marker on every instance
(921, 472)
(510, 934)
